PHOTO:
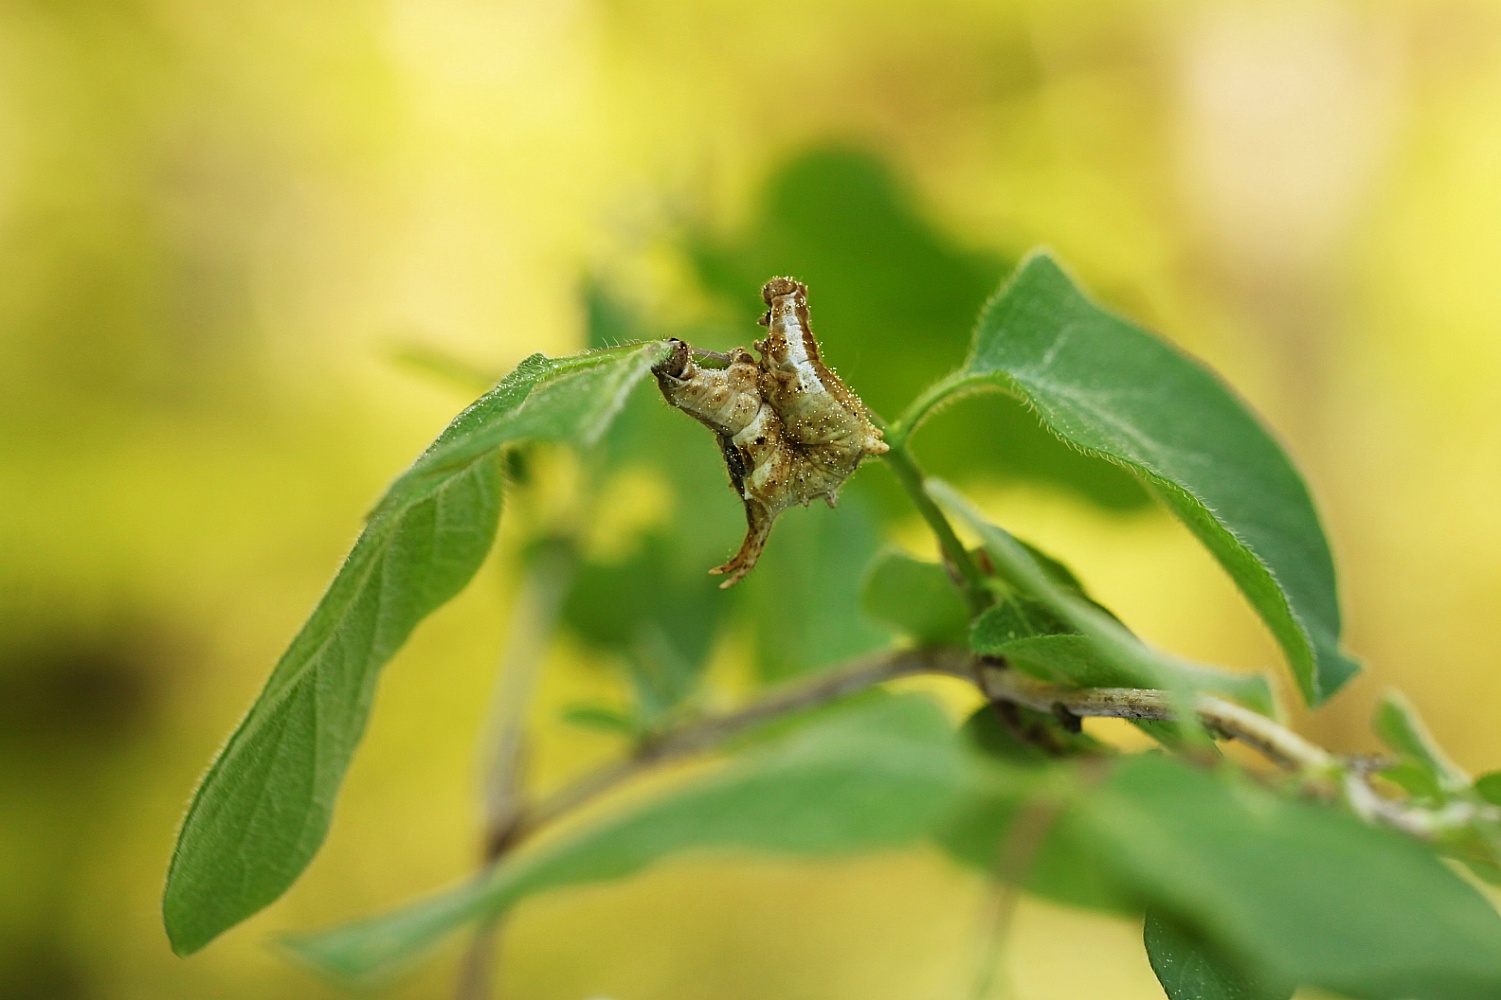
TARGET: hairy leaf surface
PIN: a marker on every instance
(265, 805)
(1113, 391)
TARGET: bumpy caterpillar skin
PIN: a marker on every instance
(789, 429)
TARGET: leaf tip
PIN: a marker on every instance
(1332, 670)
(305, 950)
(184, 935)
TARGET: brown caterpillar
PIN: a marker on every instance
(789, 429)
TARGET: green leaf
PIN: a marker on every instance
(1113, 391)
(1015, 618)
(1426, 773)
(804, 597)
(545, 399)
(265, 805)
(1297, 891)
(917, 598)
(660, 617)
(1061, 659)
(1415, 779)
(1477, 846)
(1110, 654)
(1398, 725)
(1071, 658)
(601, 718)
(1488, 787)
(979, 834)
(874, 777)
(1189, 970)
(1290, 890)
(986, 734)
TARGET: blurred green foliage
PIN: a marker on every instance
(214, 221)
(894, 301)
(1078, 823)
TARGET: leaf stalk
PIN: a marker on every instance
(972, 580)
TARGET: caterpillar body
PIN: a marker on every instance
(789, 430)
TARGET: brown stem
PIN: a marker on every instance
(1277, 743)
(704, 735)
(1345, 777)
(1272, 740)
(998, 683)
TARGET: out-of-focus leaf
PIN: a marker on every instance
(453, 370)
(1062, 659)
(1398, 725)
(980, 834)
(660, 618)
(1055, 568)
(1488, 787)
(1189, 970)
(1415, 779)
(916, 598)
(876, 777)
(1113, 391)
(1297, 891)
(804, 597)
(657, 609)
(1112, 654)
(1019, 616)
(608, 322)
(1477, 846)
(1429, 776)
(1291, 890)
(893, 298)
(1010, 732)
(985, 733)
(1058, 869)
(602, 719)
(265, 805)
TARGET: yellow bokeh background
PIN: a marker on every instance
(217, 220)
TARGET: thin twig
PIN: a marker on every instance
(1014, 860)
(534, 618)
(703, 735)
(997, 683)
(1424, 824)
(1272, 740)
(510, 823)
(1347, 777)
(1225, 719)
